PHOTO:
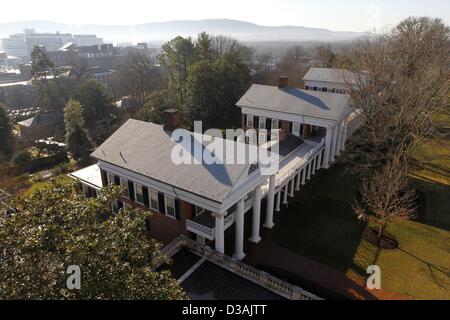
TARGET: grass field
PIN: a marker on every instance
(63, 178)
(320, 224)
(434, 155)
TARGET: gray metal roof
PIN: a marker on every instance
(44, 119)
(145, 148)
(323, 105)
(329, 75)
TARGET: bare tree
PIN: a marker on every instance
(400, 82)
(385, 197)
(223, 45)
(138, 75)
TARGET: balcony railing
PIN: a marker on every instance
(204, 224)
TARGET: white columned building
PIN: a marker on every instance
(315, 125)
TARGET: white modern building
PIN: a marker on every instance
(21, 44)
(308, 130)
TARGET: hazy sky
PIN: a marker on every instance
(352, 15)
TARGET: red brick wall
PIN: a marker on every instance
(285, 125)
(165, 228)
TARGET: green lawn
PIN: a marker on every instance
(435, 158)
(40, 185)
(320, 224)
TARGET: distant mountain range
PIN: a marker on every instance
(162, 31)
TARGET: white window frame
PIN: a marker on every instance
(250, 121)
(166, 204)
(275, 124)
(110, 178)
(262, 123)
(262, 138)
(155, 193)
(136, 188)
(296, 132)
(124, 184)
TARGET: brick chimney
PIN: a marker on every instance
(172, 120)
(283, 82)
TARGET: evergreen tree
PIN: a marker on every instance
(5, 131)
(57, 228)
(98, 110)
(41, 64)
(203, 47)
(77, 139)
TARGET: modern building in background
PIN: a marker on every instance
(21, 44)
(105, 56)
(8, 61)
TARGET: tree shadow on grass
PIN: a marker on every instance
(435, 270)
(433, 201)
(325, 230)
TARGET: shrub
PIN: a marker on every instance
(21, 158)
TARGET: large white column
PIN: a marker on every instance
(255, 238)
(278, 205)
(270, 200)
(344, 134)
(326, 156)
(319, 161)
(308, 173)
(239, 239)
(291, 187)
(304, 176)
(298, 180)
(339, 138)
(219, 233)
(313, 166)
(333, 144)
(285, 194)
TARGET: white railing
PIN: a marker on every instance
(200, 229)
(281, 179)
(228, 221)
(243, 270)
(209, 233)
